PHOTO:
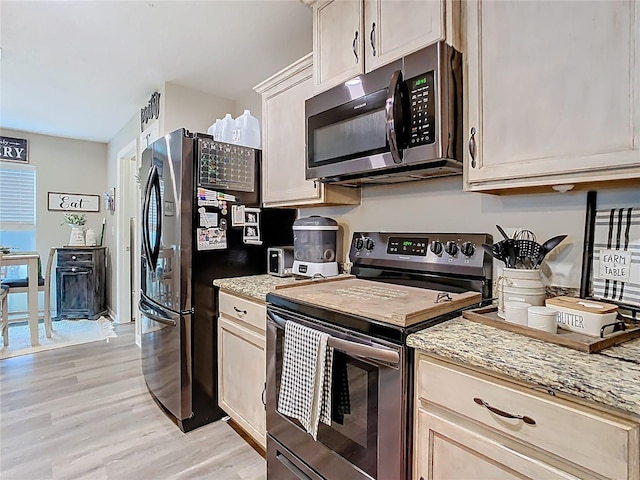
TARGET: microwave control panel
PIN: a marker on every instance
(422, 109)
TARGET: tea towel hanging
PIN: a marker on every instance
(616, 256)
(305, 387)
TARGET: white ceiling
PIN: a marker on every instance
(82, 69)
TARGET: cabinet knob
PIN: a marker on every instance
(472, 147)
(355, 46)
(73, 269)
(73, 257)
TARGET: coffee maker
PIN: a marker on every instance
(314, 247)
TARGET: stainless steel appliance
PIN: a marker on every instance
(193, 188)
(398, 123)
(280, 261)
(371, 439)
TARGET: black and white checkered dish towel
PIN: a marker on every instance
(305, 388)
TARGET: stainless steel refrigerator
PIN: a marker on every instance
(201, 220)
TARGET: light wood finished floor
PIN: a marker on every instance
(83, 412)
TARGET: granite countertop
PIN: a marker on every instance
(254, 287)
(610, 377)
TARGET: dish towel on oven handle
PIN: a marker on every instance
(305, 387)
(617, 231)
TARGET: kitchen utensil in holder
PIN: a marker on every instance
(520, 285)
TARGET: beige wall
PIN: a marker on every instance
(440, 205)
(193, 110)
(250, 101)
(64, 165)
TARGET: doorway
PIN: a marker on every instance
(127, 214)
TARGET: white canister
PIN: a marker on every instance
(583, 316)
(90, 238)
(76, 238)
(520, 285)
(543, 318)
(516, 312)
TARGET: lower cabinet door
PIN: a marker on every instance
(242, 376)
(445, 450)
(75, 292)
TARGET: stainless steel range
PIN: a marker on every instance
(403, 282)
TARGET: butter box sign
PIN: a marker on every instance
(615, 265)
(13, 149)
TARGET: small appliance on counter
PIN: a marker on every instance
(314, 242)
(280, 261)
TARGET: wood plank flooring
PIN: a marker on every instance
(84, 412)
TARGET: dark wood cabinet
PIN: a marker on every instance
(81, 282)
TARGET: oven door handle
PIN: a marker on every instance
(352, 348)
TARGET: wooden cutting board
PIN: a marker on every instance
(395, 304)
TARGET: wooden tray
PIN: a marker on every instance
(577, 341)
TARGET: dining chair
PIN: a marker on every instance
(21, 285)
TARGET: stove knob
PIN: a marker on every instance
(436, 247)
(451, 248)
(468, 249)
(359, 243)
(368, 244)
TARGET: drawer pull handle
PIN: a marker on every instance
(524, 418)
(243, 312)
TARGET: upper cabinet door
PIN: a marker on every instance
(395, 28)
(283, 143)
(553, 93)
(338, 43)
(283, 122)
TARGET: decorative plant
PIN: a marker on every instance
(75, 218)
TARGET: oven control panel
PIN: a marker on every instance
(424, 252)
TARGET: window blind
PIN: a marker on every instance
(17, 196)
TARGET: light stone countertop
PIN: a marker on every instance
(254, 287)
(610, 378)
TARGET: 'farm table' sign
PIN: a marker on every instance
(73, 202)
(14, 149)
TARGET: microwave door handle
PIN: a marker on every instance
(352, 348)
(393, 97)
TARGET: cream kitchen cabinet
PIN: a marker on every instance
(351, 37)
(242, 363)
(472, 425)
(283, 140)
(553, 94)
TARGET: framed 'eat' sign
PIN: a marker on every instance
(74, 202)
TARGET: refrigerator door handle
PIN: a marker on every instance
(152, 253)
(148, 313)
(146, 247)
(155, 253)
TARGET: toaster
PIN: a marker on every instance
(280, 261)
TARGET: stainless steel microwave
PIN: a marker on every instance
(400, 122)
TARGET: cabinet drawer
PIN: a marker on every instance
(249, 312)
(594, 440)
(72, 258)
